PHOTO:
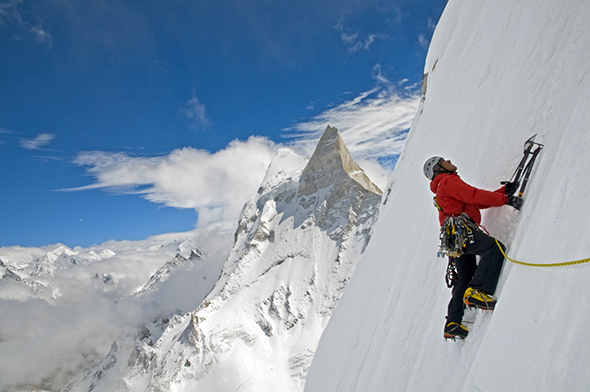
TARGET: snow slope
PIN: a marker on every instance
(499, 71)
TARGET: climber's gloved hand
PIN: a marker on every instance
(515, 201)
(510, 187)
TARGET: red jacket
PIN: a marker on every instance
(455, 196)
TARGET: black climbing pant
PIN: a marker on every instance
(483, 276)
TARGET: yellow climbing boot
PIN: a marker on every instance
(455, 330)
(479, 299)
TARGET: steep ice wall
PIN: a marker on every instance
(499, 71)
(298, 242)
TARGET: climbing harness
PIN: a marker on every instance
(456, 232)
(542, 265)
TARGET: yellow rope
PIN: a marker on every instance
(543, 265)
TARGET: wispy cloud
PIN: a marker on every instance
(423, 40)
(38, 142)
(194, 110)
(216, 184)
(354, 41)
(41, 34)
(4, 131)
(431, 25)
(9, 13)
(373, 125)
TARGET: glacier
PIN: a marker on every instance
(497, 72)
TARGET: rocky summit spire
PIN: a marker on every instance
(330, 161)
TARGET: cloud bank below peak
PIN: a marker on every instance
(216, 185)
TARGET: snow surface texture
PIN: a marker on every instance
(499, 71)
(298, 242)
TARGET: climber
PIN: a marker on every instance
(475, 283)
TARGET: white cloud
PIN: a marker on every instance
(4, 131)
(9, 11)
(423, 41)
(41, 34)
(195, 112)
(48, 336)
(373, 126)
(379, 77)
(216, 185)
(81, 324)
(41, 140)
(353, 41)
(431, 25)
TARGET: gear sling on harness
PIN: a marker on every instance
(456, 232)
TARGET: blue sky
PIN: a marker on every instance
(124, 119)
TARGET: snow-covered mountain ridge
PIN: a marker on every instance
(168, 268)
(63, 318)
(498, 72)
(298, 242)
(37, 267)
